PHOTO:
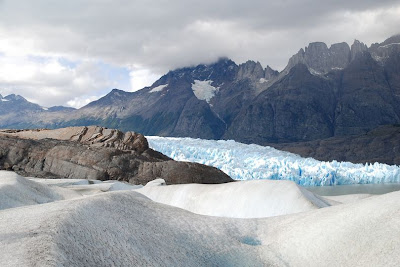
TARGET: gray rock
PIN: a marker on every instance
(270, 73)
(80, 159)
(356, 48)
(379, 145)
(320, 59)
(93, 136)
(250, 69)
(299, 107)
(386, 50)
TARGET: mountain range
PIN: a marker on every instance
(323, 92)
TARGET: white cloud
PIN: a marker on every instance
(81, 101)
(141, 77)
(48, 82)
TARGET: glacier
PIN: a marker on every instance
(252, 162)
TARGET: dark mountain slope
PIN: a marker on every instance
(379, 145)
(299, 107)
(365, 98)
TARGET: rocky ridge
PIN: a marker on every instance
(94, 136)
(96, 153)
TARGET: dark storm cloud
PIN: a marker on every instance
(133, 32)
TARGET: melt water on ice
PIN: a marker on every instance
(251, 162)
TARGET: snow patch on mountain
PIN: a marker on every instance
(251, 162)
(314, 72)
(158, 88)
(389, 45)
(203, 90)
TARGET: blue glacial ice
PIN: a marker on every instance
(250, 162)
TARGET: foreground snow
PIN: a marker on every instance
(244, 199)
(125, 228)
(17, 191)
(87, 187)
(249, 162)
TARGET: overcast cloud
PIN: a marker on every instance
(72, 52)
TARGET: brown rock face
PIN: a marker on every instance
(94, 136)
(96, 153)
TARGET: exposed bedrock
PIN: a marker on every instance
(94, 136)
(96, 153)
(379, 145)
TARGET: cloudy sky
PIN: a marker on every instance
(72, 52)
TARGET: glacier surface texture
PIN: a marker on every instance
(251, 162)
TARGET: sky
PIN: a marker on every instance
(73, 52)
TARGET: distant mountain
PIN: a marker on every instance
(16, 103)
(197, 101)
(303, 106)
(17, 112)
(59, 108)
(323, 92)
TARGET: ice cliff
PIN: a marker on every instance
(249, 162)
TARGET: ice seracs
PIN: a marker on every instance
(203, 90)
(249, 162)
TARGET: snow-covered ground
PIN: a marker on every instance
(250, 162)
(125, 228)
(17, 191)
(243, 199)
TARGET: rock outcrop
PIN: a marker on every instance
(254, 71)
(96, 153)
(93, 136)
(321, 59)
(356, 48)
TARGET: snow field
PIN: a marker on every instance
(242, 199)
(140, 232)
(17, 191)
